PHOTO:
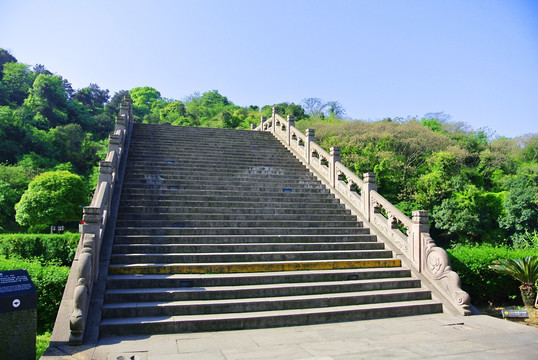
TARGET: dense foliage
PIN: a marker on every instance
(476, 189)
(52, 197)
(472, 263)
(59, 248)
(49, 280)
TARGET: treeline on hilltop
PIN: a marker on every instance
(475, 188)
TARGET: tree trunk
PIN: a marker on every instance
(528, 294)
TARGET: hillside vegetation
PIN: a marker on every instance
(477, 189)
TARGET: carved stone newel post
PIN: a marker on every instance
(275, 112)
(420, 226)
(335, 157)
(310, 137)
(370, 184)
(291, 122)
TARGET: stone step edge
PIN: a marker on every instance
(260, 314)
(404, 282)
(248, 253)
(214, 245)
(257, 300)
(249, 267)
(254, 274)
(240, 236)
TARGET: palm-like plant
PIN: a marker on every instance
(523, 269)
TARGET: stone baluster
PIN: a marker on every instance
(92, 226)
(370, 184)
(420, 225)
(121, 123)
(105, 172)
(128, 101)
(114, 143)
(275, 112)
(291, 122)
(124, 111)
(263, 119)
(334, 158)
(310, 138)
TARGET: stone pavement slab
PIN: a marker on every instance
(438, 336)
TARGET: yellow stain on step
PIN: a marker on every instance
(250, 267)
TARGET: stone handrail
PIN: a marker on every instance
(95, 218)
(410, 236)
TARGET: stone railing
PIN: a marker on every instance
(95, 216)
(410, 236)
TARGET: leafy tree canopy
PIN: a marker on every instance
(52, 197)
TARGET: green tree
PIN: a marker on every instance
(5, 57)
(435, 186)
(335, 109)
(11, 135)
(17, 80)
(112, 107)
(46, 106)
(143, 101)
(13, 181)
(470, 215)
(314, 107)
(521, 207)
(92, 97)
(51, 197)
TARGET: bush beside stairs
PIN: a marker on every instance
(223, 229)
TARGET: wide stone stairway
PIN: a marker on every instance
(223, 229)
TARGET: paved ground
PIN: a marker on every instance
(437, 336)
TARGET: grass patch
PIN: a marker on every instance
(42, 343)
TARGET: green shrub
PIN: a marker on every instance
(49, 281)
(482, 283)
(49, 247)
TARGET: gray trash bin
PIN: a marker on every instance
(18, 315)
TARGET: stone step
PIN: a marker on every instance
(229, 152)
(242, 267)
(216, 188)
(161, 230)
(234, 257)
(246, 223)
(187, 281)
(152, 294)
(213, 162)
(244, 239)
(303, 216)
(223, 185)
(226, 204)
(224, 306)
(214, 210)
(210, 172)
(189, 178)
(153, 247)
(231, 196)
(293, 317)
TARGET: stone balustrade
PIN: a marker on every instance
(410, 236)
(95, 217)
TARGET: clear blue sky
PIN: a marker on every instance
(476, 60)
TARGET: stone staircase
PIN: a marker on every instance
(223, 229)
